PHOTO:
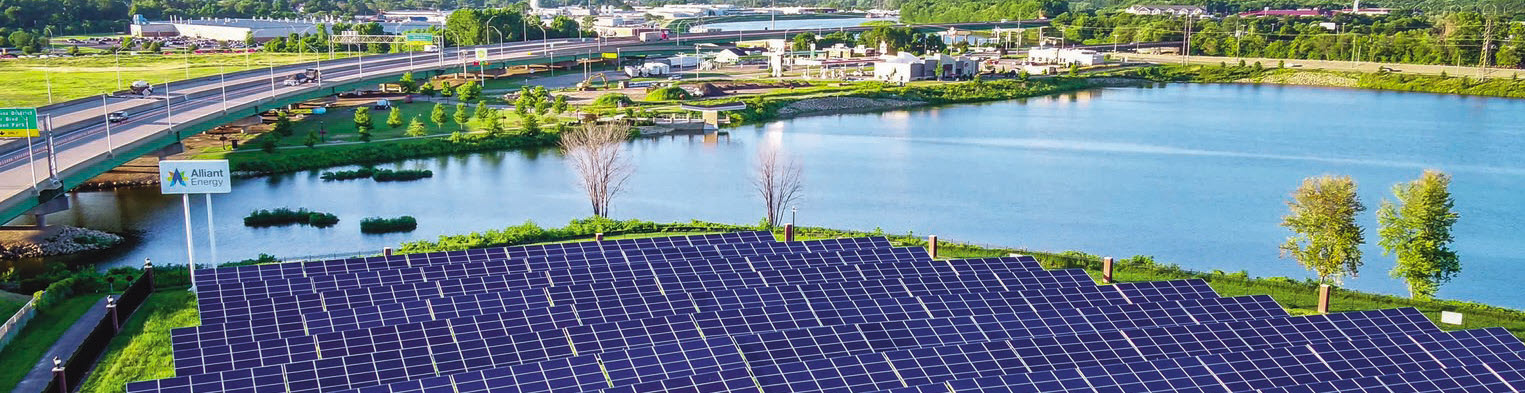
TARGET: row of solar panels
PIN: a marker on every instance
(739, 312)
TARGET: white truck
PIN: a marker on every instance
(651, 36)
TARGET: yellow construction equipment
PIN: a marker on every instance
(587, 85)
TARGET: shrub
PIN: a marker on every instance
(402, 175)
(361, 173)
(670, 93)
(284, 216)
(613, 99)
(386, 225)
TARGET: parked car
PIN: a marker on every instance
(116, 117)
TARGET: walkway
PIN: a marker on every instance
(37, 379)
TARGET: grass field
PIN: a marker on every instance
(17, 358)
(142, 350)
(340, 126)
(28, 79)
(10, 303)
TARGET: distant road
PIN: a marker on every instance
(1332, 65)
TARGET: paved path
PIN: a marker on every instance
(37, 379)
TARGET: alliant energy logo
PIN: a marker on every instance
(176, 177)
(195, 177)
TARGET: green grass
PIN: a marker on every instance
(340, 125)
(10, 303)
(27, 79)
(18, 357)
(142, 350)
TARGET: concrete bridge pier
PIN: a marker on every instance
(46, 207)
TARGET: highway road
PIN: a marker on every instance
(81, 134)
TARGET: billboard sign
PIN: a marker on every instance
(195, 177)
(481, 53)
(18, 122)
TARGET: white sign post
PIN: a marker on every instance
(186, 177)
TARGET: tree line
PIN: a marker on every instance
(1459, 38)
(1415, 228)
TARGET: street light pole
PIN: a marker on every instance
(110, 150)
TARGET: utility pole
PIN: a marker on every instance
(1487, 43)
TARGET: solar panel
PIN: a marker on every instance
(743, 313)
(216, 354)
(350, 265)
(1264, 369)
(938, 364)
(372, 292)
(291, 305)
(458, 306)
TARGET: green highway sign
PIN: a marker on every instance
(18, 122)
(416, 37)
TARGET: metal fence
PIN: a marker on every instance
(71, 372)
(13, 326)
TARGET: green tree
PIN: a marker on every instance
(469, 91)
(408, 84)
(1417, 230)
(416, 128)
(461, 115)
(283, 126)
(365, 133)
(1325, 237)
(560, 106)
(428, 90)
(482, 112)
(1074, 70)
(363, 117)
(1023, 76)
(154, 46)
(394, 118)
(312, 139)
(495, 126)
(531, 125)
(437, 116)
(267, 144)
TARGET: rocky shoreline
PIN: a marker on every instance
(59, 240)
(830, 105)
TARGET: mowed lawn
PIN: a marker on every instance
(27, 80)
(18, 357)
(142, 350)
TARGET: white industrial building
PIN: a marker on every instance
(905, 67)
(234, 29)
(1085, 57)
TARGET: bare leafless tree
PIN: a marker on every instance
(596, 152)
(778, 181)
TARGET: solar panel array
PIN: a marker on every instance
(741, 312)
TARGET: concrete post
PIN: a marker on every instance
(148, 271)
(58, 375)
(1323, 298)
(788, 232)
(1106, 270)
(386, 251)
(116, 324)
(598, 237)
(932, 246)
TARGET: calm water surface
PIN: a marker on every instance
(1192, 174)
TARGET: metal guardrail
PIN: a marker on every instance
(13, 326)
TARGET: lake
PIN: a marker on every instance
(1192, 174)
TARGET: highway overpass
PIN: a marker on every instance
(85, 148)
